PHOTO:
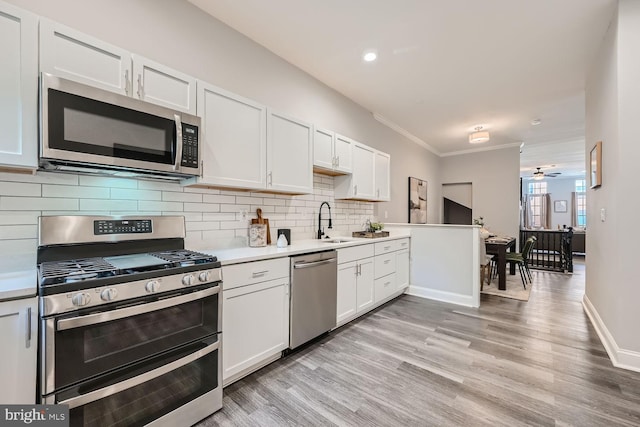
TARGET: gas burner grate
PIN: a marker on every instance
(184, 257)
(75, 270)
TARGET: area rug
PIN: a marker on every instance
(514, 290)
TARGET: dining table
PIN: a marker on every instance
(499, 246)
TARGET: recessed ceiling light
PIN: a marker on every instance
(370, 56)
(536, 122)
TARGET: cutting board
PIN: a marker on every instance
(261, 220)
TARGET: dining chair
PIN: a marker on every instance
(521, 259)
(485, 264)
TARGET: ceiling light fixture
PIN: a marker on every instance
(478, 136)
(370, 56)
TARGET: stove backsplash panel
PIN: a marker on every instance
(214, 218)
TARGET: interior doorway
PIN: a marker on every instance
(457, 203)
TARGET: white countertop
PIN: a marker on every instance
(18, 273)
(18, 276)
(246, 254)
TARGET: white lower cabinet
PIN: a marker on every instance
(402, 269)
(347, 300)
(364, 285)
(255, 316)
(19, 332)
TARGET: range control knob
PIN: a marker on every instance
(80, 299)
(188, 280)
(205, 276)
(152, 286)
(109, 294)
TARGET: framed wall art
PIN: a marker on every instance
(595, 165)
(417, 201)
(560, 206)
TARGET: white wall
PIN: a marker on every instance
(495, 178)
(612, 111)
(177, 34)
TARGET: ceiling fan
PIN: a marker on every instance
(540, 174)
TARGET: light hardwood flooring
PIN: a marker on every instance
(416, 362)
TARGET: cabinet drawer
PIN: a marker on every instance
(385, 264)
(355, 253)
(384, 287)
(254, 272)
(386, 247)
(402, 244)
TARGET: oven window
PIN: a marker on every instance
(91, 350)
(143, 403)
(88, 126)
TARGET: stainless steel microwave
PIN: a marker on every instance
(90, 130)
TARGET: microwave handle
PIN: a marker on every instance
(176, 165)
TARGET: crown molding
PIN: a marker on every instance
(393, 126)
(478, 150)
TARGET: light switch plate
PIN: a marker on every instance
(603, 214)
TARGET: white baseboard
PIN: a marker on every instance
(621, 358)
(450, 297)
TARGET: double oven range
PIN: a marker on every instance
(130, 321)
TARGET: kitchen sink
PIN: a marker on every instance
(337, 240)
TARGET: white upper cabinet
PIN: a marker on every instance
(331, 152)
(343, 151)
(382, 174)
(233, 135)
(72, 55)
(360, 184)
(162, 85)
(289, 154)
(19, 88)
(323, 142)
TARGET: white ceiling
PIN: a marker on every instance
(445, 66)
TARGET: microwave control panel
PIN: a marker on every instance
(189, 146)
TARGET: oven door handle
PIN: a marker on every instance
(92, 319)
(132, 382)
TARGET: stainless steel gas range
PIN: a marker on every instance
(130, 321)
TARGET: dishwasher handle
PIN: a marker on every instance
(314, 263)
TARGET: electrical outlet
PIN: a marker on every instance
(386, 214)
(603, 214)
(243, 215)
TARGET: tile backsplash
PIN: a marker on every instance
(214, 218)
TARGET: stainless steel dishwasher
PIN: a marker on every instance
(313, 296)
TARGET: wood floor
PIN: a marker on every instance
(420, 362)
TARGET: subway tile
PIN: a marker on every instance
(37, 203)
(248, 200)
(201, 190)
(108, 205)
(217, 234)
(144, 184)
(20, 189)
(75, 191)
(230, 225)
(274, 202)
(234, 208)
(265, 209)
(201, 207)
(75, 212)
(202, 225)
(40, 178)
(218, 198)
(135, 194)
(159, 206)
(19, 217)
(8, 232)
(19, 246)
(188, 216)
(171, 196)
(108, 182)
(219, 216)
(135, 213)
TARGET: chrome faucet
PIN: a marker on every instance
(320, 230)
